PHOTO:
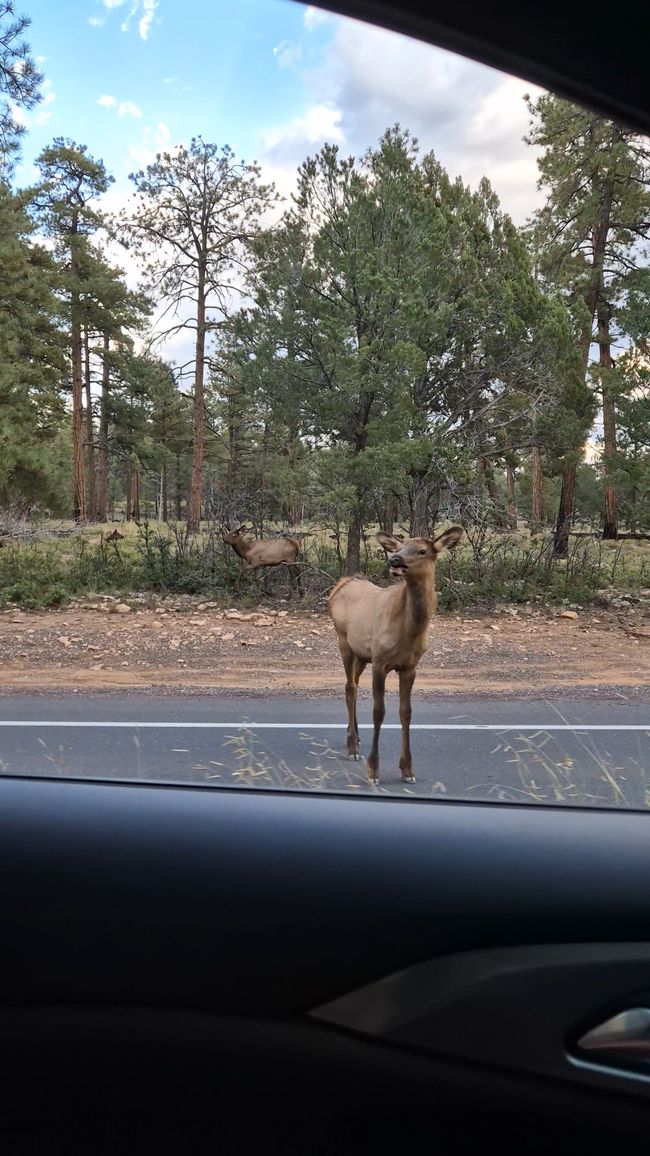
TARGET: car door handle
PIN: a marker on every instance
(621, 1039)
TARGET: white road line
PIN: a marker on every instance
(320, 726)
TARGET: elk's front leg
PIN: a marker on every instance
(353, 670)
(378, 712)
(406, 680)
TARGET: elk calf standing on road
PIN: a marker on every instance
(388, 626)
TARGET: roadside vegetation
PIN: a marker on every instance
(49, 566)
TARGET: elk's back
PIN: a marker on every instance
(352, 607)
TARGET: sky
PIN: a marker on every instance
(273, 79)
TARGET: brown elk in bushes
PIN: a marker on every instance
(260, 552)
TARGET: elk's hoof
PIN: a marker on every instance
(408, 778)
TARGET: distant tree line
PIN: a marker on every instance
(389, 349)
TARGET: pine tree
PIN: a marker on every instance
(32, 361)
(71, 182)
(590, 237)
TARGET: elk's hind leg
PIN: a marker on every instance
(354, 668)
(294, 580)
(406, 680)
(378, 712)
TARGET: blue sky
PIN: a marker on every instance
(197, 67)
(272, 78)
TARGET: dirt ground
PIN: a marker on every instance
(192, 646)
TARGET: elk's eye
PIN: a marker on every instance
(422, 551)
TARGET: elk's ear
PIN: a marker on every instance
(448, 539)
(387, 542)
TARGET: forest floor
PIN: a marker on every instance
(188, 645)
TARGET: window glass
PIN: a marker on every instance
(324, 363)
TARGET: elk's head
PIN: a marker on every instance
(412, 558)
(231, 535)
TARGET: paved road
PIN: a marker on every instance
(568, 751)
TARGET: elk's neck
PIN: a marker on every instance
(242, 547)
(420, 602)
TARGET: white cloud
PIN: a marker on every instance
(313, 17)
(96, 21)
(146, 19)
(471, 116)
(320, 123)
(113, 3)
(128, 108)
(170, 79)
(287, 54)
(124, 26)
(155, 139)
(122, 107)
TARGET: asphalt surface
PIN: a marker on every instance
(573, 751)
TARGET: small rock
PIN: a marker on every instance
(262, 622)
(98, 666)
(236, 615)
(64, 640)
(568, 614)
(298, 642)
(227, 637)
(122, 608)
(316, 632)
(282, 613)
(493, 626)
(174, 643)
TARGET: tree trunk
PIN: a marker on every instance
(536, 484)
(79, 501)
(178, 494)
(389, 514)
(127, 486)
(511, 507)
(135, 492)
(102, 470)
(419, 519)
(354, 539)
(90, 433)
(163, 491)
(599, 235)
(486, 474)
(196, 486)
(565, 514)
(610, 527)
